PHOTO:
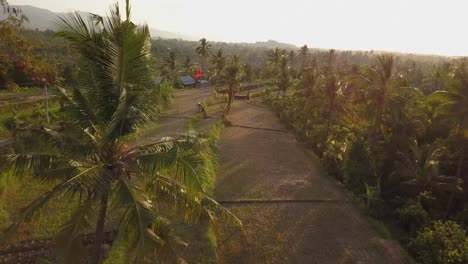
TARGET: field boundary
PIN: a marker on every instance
(285, 201)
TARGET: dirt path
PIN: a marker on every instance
(173, 120)
(316, 222)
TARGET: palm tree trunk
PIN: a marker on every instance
(377, 123)
(230, 99)
(330, 110)
(100, 230)
(458, 176)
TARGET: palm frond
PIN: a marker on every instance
(138, 217)
(178, 158)
(81, 111)
(70, 248)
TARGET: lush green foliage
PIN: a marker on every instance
(441, 242)
(386, 130)
(96, 176)
(412, 215)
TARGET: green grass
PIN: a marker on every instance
(23, 111)
(18, 192)
(202, 237)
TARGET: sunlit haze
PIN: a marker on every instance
(419, 26)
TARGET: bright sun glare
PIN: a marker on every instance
(421, 26)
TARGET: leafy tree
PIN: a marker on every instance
(412, 216)
(96, 173)
(18, 63)
(441, 242)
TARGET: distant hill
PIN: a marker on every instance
(44, 19)
(271, 44)
(40, 19)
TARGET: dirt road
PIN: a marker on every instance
(309, 219)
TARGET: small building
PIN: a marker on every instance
(187, 81)
(203, 83)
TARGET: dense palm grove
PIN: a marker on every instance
(392, 128)
(395, 135)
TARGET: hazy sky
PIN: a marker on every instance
(423, 26)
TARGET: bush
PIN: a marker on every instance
(429, 202)
(441, 242)
(356, 168)
(5, 220)
(412, 216)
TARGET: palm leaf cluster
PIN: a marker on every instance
(86, 156)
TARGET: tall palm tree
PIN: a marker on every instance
(203, 52)
(382, 80)
(274, 59)
(304, 57)
(95, 172)
(420, 169)
(436, 79)
(283, 79)
(454, 104)
(219, 61)
(248, 76)
(187, 66)
(170, 62)
(334, 89)
(231, 76)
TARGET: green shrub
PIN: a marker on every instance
(5, 220)
(429, 202)
(441, 243)
(412, 216)
(462, 216)
(356, 168)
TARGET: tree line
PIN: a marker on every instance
(395, 132)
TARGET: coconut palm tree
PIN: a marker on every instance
(283, 76)
(96, 173)
(231, 76)
(248, 76)
(419, 169)
(436, 80)
(204, 51)
(334, 89)
(274, 59)
(170, 62)
(187, 66)
(219, 61)
(382, 80)
(304, 57)
(454, 104)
